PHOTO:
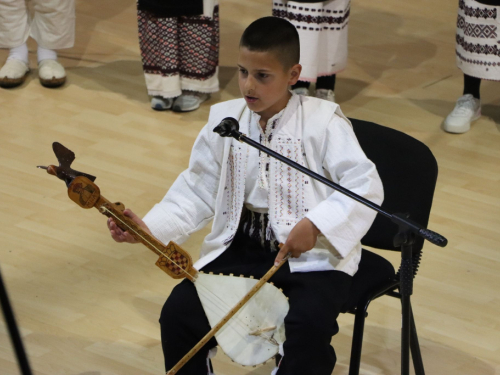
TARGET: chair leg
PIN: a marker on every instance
(416, 355)
(357, 340)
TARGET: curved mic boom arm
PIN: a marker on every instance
(229, 127)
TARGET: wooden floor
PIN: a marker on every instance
(88, 306)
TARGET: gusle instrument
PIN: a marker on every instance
(246, 315)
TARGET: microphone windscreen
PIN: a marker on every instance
(227, 127)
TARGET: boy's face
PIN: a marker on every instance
(264, 81)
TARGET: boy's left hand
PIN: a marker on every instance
(302, 238)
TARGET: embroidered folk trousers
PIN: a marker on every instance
(52, 25)
(179, 53)
(315, 301)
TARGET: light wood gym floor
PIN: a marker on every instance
(89, 306)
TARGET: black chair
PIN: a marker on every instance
(408, 171)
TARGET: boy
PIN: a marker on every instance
(256, 202)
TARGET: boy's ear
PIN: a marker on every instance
(295, 74)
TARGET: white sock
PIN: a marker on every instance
(19, 53)
(46, 54)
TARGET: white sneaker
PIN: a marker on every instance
(325, 94)
(159, 103)
(51, 73)
(466, 110)
(189, 101)
(13, 73)
(301, 91)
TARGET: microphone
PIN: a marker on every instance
(229, 127)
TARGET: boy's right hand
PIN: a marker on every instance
(124, 236)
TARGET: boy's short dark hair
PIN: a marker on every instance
(273, 34)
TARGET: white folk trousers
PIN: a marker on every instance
(52, 24)
(322, 29)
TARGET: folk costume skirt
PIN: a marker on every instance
(179, 53)
(322, 28)
(478, 38)
(315, 302)
(52, 24)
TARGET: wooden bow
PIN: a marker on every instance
(174, 260)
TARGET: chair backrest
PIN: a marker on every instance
(408, 171)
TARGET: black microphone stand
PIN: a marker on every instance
(405, 238)
(15, 337)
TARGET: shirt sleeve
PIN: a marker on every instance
(342, 220)
(190, 202)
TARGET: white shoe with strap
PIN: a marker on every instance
(51, 73)
(13, 73)
(466, 110)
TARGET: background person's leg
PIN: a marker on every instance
(53, 24)
(325, 87)
(53, 28)
(14, 31)
(161, 70)
(14, 23)
(467, 107)
(199, 60)
(472, 86)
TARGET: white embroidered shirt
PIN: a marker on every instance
(312, 132)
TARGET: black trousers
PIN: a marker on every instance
(315, 301)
